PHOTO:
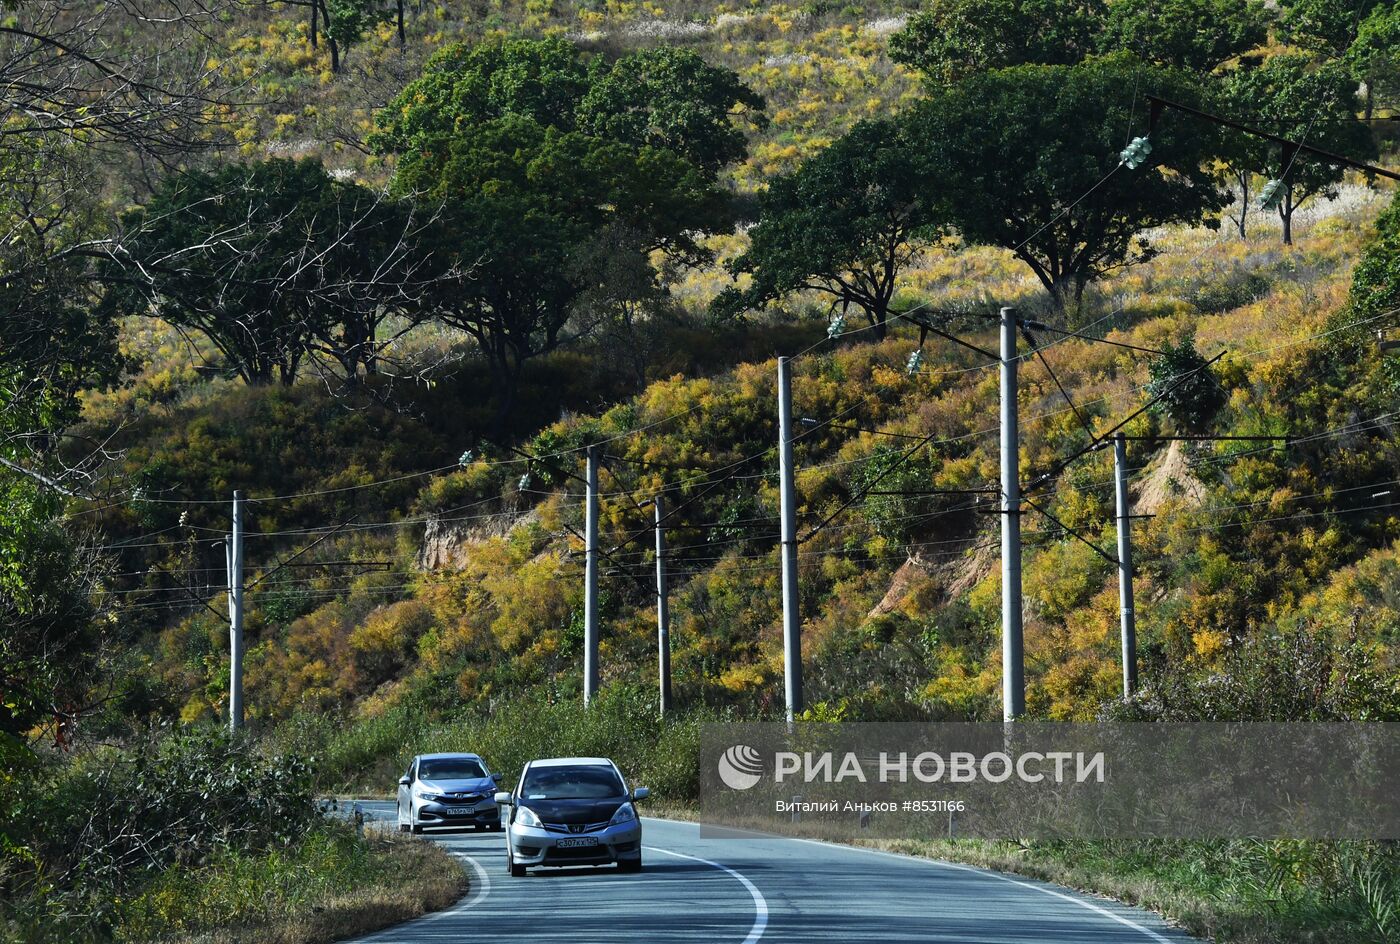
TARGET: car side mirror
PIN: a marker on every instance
(505, 799)
(496, 777)
(641, 793)
(405, 781)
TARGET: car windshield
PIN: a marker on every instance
(591, 782)
(450, 768)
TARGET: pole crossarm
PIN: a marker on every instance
(288, 562)
(1286, 143)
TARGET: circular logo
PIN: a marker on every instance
(740, 767)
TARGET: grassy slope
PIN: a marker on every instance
(820, 71)
(507, 619)
(330, 888)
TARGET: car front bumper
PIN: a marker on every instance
(430, 813)
(534, 846)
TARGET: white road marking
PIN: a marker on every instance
(1083, 903)
(760, 904)
(479, 892)
(482, 890)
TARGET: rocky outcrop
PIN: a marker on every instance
(1166, 480)
(950, 578)
(447, 541)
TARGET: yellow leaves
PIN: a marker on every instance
(887, 377)
(1209, 644)
(742, 679)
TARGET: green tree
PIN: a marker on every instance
(50, 635)
(522, 202)
(1375, 57)
(52, 347)
(347, 21)
(1191, 395)
(1029, 161)
(671, 98)
(462, 86)
(1197, 35)
(663, 98)
(949, 40)
(1325, 26)
(539, 155)
(844, 224)
(1375, 282)
(1299, 100)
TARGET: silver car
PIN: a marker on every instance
(448, 790)
(570, 811)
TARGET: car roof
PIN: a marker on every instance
(572, 762)
(447, 756)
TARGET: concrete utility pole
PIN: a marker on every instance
(787, 491)
(233, 551)
(1127, 616)
(590, 593)
(1013, 683)
(663, 613)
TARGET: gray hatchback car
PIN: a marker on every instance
(569, 811)
(448, 790)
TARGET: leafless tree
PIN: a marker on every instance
(128, 72)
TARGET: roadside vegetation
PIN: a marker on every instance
(197, 836)
(389, 267)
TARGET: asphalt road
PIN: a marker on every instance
(761, 889)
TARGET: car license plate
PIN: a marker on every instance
(574, 843)
(452, 812)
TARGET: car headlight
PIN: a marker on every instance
(432, 797)
(624, 814)
(526, 817)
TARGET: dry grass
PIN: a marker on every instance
(420, 877)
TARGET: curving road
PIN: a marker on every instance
(762, 889)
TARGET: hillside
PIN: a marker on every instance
(482, 589)
(820, 68)
(391, 279)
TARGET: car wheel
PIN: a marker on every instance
(630, 865)
(516, 871)
(413, 825)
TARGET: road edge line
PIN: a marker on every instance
(1001, 877)
(475, 897)
(985, 873)
(760, 904)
